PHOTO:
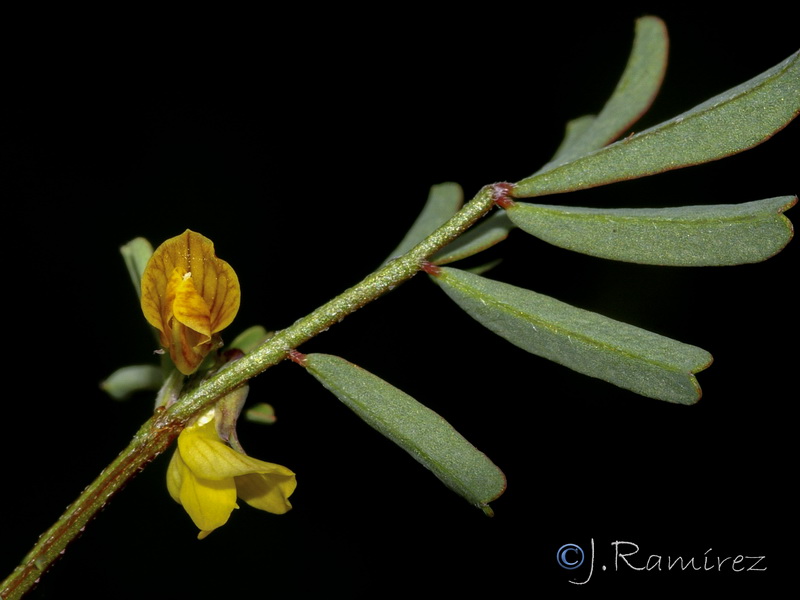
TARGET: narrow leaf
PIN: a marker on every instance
(629, 357)
(483, 236)
(722, 234)
(250, 339)
(635, 92)
(570, 146)
(444, 200)
(421, 432)
(726, 124)
(136, 253)
(125, 381)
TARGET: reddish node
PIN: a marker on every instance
(431, 269)
(297, 357)
(501, 193)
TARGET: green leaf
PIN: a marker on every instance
(262, 413)
(125, 381)
(722, 234)
(726, 124)
(629, 357)
(250, 339)
(421, 432)
(136, 253)
(486, 234)
(444, 200)
(635, 92)
(571, 146)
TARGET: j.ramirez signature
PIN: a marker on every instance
(626, 555)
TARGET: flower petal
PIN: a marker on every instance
(210, 458)
(189, 308)
(189, 325)
(209, 503)
(269, 492)
(176, 473)
(188, 294)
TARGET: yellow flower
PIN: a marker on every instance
(189, 295)
(206, 475)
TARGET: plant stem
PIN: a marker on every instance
(371, 288)
(158, 433)
(149, 442)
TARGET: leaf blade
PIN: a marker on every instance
(627, 356)
(714, 235)
(444, 200)
(633, 95)
(136, 253)
(731, 122)
(492, 230)
(424, 434)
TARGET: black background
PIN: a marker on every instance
(304, 144)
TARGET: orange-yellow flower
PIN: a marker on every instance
(189, 295)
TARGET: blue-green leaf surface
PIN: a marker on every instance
(421, 432)
(635, 92)
(444, 200)
(134, 378)
(250, 339)
(136, 253)
(492, 230)
(630, 357)
(728, 123)
(723, 234)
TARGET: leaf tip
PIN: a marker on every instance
(707, 361)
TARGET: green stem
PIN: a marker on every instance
(373, 287)
(158, 433)
(149, 442)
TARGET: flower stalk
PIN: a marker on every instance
(161, 430)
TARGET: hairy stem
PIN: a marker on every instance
(371, 288)
(149, 442)
(157, 434)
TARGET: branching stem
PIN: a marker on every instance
(158, 433)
